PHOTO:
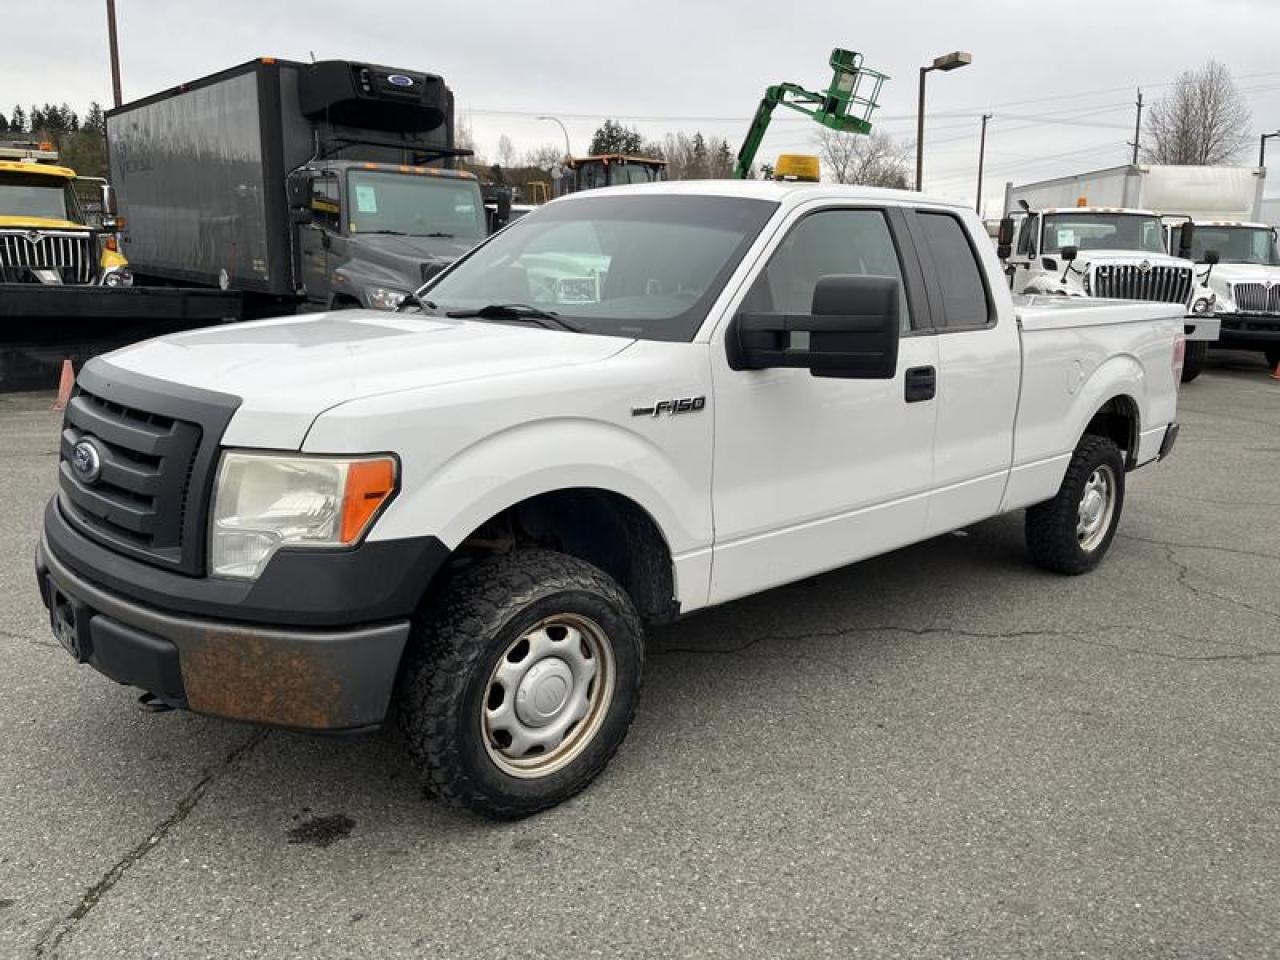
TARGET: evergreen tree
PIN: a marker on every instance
(4, 123)
(698, 167)
(95, 121)
(19, 122)
(613, 137)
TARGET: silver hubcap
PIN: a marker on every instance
(1097, 505)
(547, 696)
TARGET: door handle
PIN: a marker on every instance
(921, 383)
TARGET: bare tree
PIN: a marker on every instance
(876, 160)
(506, 151)
(544, 157)
(1202, 121)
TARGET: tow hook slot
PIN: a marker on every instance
(150, 703)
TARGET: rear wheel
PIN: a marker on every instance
(1072, 532)
(522, 682)
(1193, 360)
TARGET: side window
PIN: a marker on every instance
(822, 244)
(956, 268)
(324, 202)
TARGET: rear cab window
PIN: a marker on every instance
(957, 282)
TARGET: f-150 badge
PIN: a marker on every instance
(671, 407)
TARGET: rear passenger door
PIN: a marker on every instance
(979, 368)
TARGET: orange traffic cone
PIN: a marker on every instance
(1275, 374)
(67, 381)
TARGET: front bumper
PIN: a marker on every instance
(318, 650)
(302, 679)
(1249, 328)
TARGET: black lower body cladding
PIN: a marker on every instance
(313, 644)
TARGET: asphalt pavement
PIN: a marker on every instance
(942, 752)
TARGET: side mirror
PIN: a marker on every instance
(299, 187)
(109, 208)
(1212, 257)
(1069, 253)
(1004, 238)
(1186, 237)
(853, 332)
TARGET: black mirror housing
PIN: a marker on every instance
(1212, 257)
(1186, 238)
(853, 332)
(299, 188)
(1004, 238)
(1069, 253)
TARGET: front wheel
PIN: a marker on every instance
(1071, 533)
(522, 682)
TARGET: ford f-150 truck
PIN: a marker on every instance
(628, 405)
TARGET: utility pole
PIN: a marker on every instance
(1137, 128)
(115, 52)
(982, 154)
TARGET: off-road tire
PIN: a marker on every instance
(1193, 359)
(454, 647)
(1052, 539)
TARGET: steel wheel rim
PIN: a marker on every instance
(547, 696)
(1097, 507)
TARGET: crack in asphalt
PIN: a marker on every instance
(1184, 574)
(22, 638)
(51, 940)
(1201, 546)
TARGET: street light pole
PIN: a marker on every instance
(1262, 149)
(945, 63)
(982, 155)
(115, 52)
(568, 150)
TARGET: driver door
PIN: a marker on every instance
(811, 472)
(315, 237)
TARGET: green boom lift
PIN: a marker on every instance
(845, 105)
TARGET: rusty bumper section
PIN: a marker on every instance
(333, 680)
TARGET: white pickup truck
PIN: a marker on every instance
(630, 404)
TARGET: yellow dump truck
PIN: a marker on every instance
(45, 235)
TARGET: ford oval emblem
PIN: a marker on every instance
(400, 80)
(86, 461)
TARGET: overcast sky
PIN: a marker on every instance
(1060, 79)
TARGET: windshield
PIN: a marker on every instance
(1103, 231)
(37, 195)
(636, 266)
(415, 205)
(1236, 244)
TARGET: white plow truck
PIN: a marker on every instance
(630, 404)
(1100, 234)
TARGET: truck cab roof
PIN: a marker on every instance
(28, 166)
(1129, 210)
(401, 168)
(779, 191)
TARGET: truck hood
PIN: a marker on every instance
(1096, 258)
(1242, 273)
(38, 223)
(397, 261)
(288, 371)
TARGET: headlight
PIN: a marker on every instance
(118, 277)
(382, 298)
(263, 502)
(1203, 305)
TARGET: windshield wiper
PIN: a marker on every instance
(517, 311)
(388, 233)
(448, 236)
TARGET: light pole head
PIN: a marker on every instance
(953, 60)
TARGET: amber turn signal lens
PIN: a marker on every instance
(369, 484)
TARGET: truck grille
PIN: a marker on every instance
(70, 255)
(155, 454)
(1131, 282)
(1256, 297)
